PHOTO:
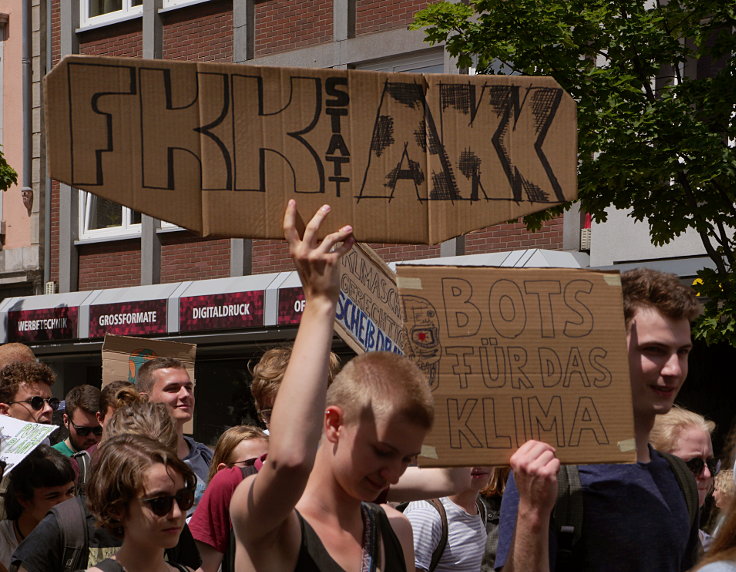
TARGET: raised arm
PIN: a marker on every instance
(261, 505)
(535, 471)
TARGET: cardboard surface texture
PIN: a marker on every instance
(518, 354)
(122, 357)
(220, 148)
(368, 316)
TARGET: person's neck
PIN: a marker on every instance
(642, 428)
(25, 524)
(324, 499)
(142, 558)
(182, 447)
(68, 443)
(466, 501)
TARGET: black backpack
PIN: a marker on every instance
(567, 517)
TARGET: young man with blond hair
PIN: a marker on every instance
(305, 509)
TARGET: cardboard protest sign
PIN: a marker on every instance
(122, 357)
(368, 316)
(220, 148)
(518, 354)
(19, 438)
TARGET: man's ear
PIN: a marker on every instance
(334, 418)
(65, 419)
(100, 418)
(4, 409)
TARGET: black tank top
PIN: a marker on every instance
(313, 557)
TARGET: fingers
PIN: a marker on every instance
(535, 458)
(291, 234)
(295, 233)
(312, 230)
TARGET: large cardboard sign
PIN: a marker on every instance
(518, 354)
(220, 148)
(368, 316)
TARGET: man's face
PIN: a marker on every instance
(173, 387)
(658, 351)
(22, 410)
(83, 422)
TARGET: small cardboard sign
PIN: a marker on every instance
(518, 354)
(122, 357)
(220, 148)
(19, 438)
(368, 316)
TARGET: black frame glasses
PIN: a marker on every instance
(36, 402)
(162, 505)
(265, 414)
(85, 431)
(245, 463)
(696, 465)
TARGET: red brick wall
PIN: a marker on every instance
(373, 16)
(203, 32)
(110, 264)
(124, 39)
(185, 256)
(271, 256)
(393, 252)
(514, 236)
(283, 25)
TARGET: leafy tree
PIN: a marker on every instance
(8, 175)
(655, 83)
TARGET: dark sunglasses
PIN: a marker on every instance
(161, 506)
(84, 431)
(697, 464)
(246, 463)
(38, 401)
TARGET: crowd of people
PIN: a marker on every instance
(329, 482)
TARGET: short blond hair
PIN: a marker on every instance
(151, 420)
(382, 383)
(668, 427)
(724, 482)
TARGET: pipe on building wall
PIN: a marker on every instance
(27, 64)
(47, 180)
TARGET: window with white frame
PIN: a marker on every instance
(101, 218)
(108, 11)
(175, 3)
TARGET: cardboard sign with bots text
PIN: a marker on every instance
(220, 148)
(518, 354)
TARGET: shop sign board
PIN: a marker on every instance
(220, 148)
(513, 354)
(45, 324)
(230, 311)
(136, 318)
(291, 306)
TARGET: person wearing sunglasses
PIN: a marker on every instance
(25, 392)
(236, 453)
(140, 491)
(686, 434)
(80, 419)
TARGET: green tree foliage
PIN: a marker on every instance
(8, 176)
(655, 84)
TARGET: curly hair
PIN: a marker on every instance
(647, 288)
(228, 441)
(43, 467)
(118, 474)
(268, 374)
(18, 373)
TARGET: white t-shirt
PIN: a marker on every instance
(8, 542)
(466, 536)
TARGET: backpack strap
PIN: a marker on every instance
(437, 554)
(72, 522)
(687, 484)
(83, 461)
(482, 510)
(567, 517)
